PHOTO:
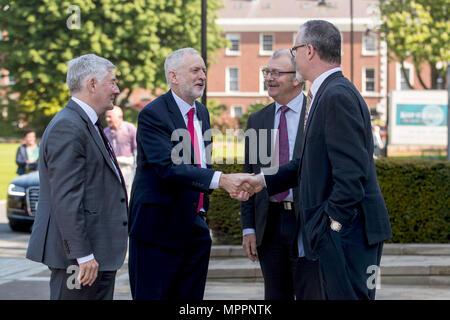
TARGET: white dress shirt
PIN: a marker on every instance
(292, 122)
(184, 109)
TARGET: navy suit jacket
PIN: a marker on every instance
(164, 196)
(335, 171)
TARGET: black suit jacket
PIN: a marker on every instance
(165, 194)
(254, 211)
(335, 172)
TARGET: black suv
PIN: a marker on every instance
(23, 195)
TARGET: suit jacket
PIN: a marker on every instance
(82, 207)
(254, 211)
(335, 172)
(165, 193)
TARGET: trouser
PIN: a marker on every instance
(348, 263)
(286, 277)
(63, 287)
(161, 273)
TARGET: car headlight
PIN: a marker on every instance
(14, 190)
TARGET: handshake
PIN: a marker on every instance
(241, 186)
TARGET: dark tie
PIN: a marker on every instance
(283, 147)
(113, 157)
(194, 140)
(308, 106)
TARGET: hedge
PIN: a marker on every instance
(416, 192)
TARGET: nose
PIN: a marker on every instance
(116, 89)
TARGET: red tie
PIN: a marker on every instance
(194, 140)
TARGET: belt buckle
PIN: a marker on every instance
(287, 205)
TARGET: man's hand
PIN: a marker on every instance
(88, 272)
(235, 183)
(241, 186)
(249, 244)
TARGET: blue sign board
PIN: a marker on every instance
(433, 115)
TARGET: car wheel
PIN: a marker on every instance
(19, 226)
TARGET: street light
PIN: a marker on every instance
(323, 3)
(204, 43)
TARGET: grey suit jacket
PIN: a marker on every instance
(254, 211)
(82, 207)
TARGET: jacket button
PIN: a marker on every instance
(122, 200)
(194, 205)
(124, 223)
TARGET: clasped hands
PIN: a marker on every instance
(241, 186)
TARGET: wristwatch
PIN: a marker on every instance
(335, 226)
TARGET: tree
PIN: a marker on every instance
(42, 35)
(418, 30)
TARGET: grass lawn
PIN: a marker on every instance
(8, 166)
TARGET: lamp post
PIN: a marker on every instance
(204, 43)
(323, 3)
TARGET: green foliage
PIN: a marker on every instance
(216, 109)
(416, 192)
(417, 195)
(252, 108)
(420, 30)
(224, 218)
(135, 35)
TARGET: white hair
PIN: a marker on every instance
(88, 65)
(175, 60)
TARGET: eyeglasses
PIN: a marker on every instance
(294, 49)
(274, 73)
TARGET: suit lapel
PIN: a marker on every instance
(268, 124)
(177, 117)
(95, 135)
(313, 109)
(299, 138)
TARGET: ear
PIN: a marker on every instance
(172, 77)
(311, 51)
(91, 84)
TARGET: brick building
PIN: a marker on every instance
(256, 28)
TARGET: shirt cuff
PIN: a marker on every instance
(85, 259)
(248, 231)
(264, 178)
(215, 180)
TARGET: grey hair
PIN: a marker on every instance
(88, 65)
(324, 37)
(175, 60)
(280, 52)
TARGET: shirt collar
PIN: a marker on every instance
(295, 104)
(87, 109)
(320, 79)
(183, 105)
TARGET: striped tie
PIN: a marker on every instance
(308, 105)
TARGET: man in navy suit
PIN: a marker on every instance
(343, 217)
(169, 240)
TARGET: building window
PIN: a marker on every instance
(369, 44)
(266, 44)
(233, 79)
(402, 84)
(234, 49)
(369, 80)
(236, 111)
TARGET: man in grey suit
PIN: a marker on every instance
(81, 220)
(270, 223)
